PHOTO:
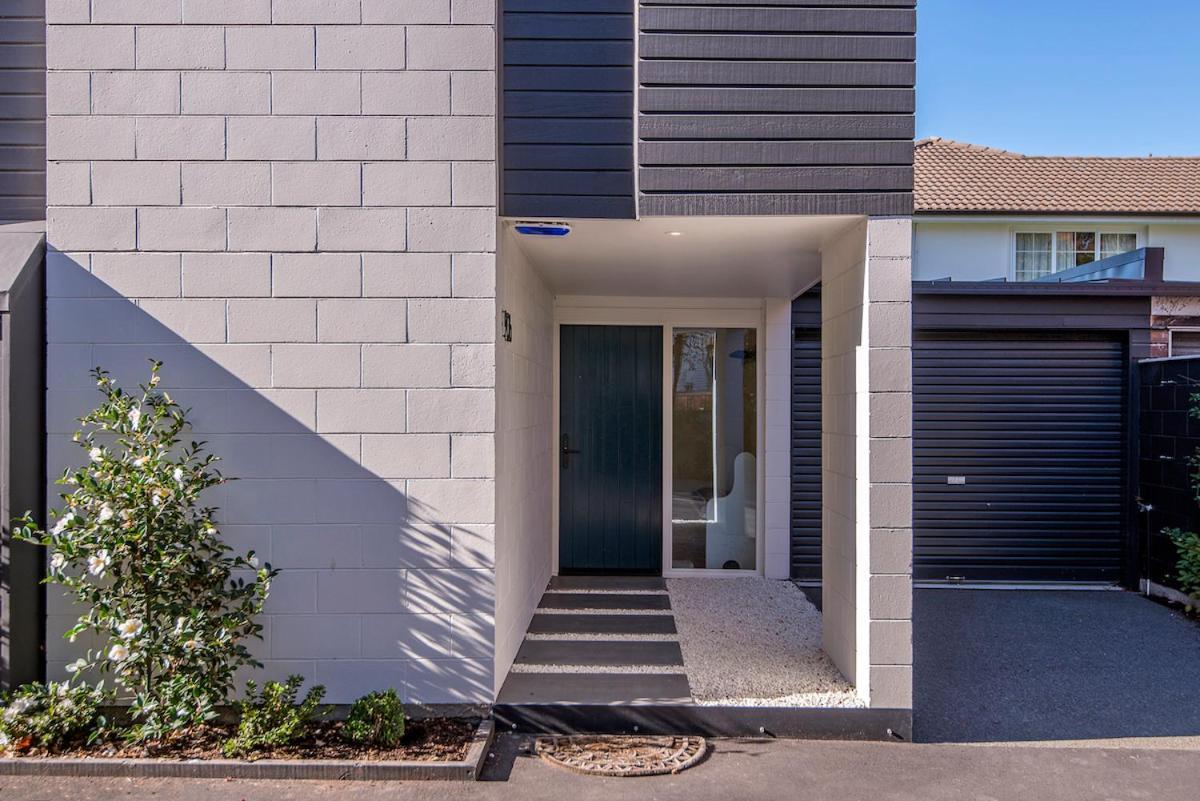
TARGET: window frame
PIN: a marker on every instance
(1183, 329)
(1054, 231)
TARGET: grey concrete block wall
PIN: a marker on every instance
(292, 203)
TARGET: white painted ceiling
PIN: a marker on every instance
(709, 256)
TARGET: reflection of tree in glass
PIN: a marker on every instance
(693, 361)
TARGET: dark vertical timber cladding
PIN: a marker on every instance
(610, 496)
(776, 106)
(1018, 456)
(567, 108)
(22, 110)
(806, 438)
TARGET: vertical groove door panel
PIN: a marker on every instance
(806, 455)
(1018, 457)
(610, 411)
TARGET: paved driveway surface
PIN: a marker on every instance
(1042, 665)
(738, 770)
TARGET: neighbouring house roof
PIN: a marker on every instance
(955, 177)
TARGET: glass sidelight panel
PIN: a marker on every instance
(714, 449)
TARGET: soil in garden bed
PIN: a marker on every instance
(425, 740)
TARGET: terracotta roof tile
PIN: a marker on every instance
(957, 177)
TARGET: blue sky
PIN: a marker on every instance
(1086, 77)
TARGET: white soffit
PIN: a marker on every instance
(682, 256)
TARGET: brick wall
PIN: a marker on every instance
(291, 202)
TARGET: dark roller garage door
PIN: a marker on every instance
(1017, 457)
(806, 455)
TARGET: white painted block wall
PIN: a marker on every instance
(291, 202)
(525, 454)
(866, 403)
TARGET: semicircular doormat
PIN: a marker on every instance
(603, 755)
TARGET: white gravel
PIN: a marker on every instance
(754, 642)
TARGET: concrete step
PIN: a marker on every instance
(601, 624)
(607, 584)
(610, 601)
(596, 653)
(595, 688)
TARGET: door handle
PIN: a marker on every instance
(566, 450)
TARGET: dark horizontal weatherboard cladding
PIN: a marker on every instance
(22, 110)
(567, 108)
(776, 106)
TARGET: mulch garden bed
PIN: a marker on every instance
(432, 748)
(425, 740)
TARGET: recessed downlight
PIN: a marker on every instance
(674, 233)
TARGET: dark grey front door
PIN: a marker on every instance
(610, 449)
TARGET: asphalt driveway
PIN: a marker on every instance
(1042, 665)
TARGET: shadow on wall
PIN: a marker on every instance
(376, 590)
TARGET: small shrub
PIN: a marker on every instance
(1187, 569)
(376, 719)
(173, 607)
(51, 715)
(273, 718)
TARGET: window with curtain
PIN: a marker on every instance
(1039, 254)
(1116, 244)
(1075, 248)
(1034, 257)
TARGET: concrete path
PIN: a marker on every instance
(1104, 668)
(742, 770)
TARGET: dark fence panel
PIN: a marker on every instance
(1169, 441)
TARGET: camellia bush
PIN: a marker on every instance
(173, 607)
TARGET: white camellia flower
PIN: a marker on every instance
(130, 628)
(78, 666)
(96, 455)
(57, 561)
(106, 513)
(63, 522)
(178, 475)
(156, 499)
(118, 653)
(3, 740)
(138, 462)
(99, 562)
(135, 417)
(17, 708)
